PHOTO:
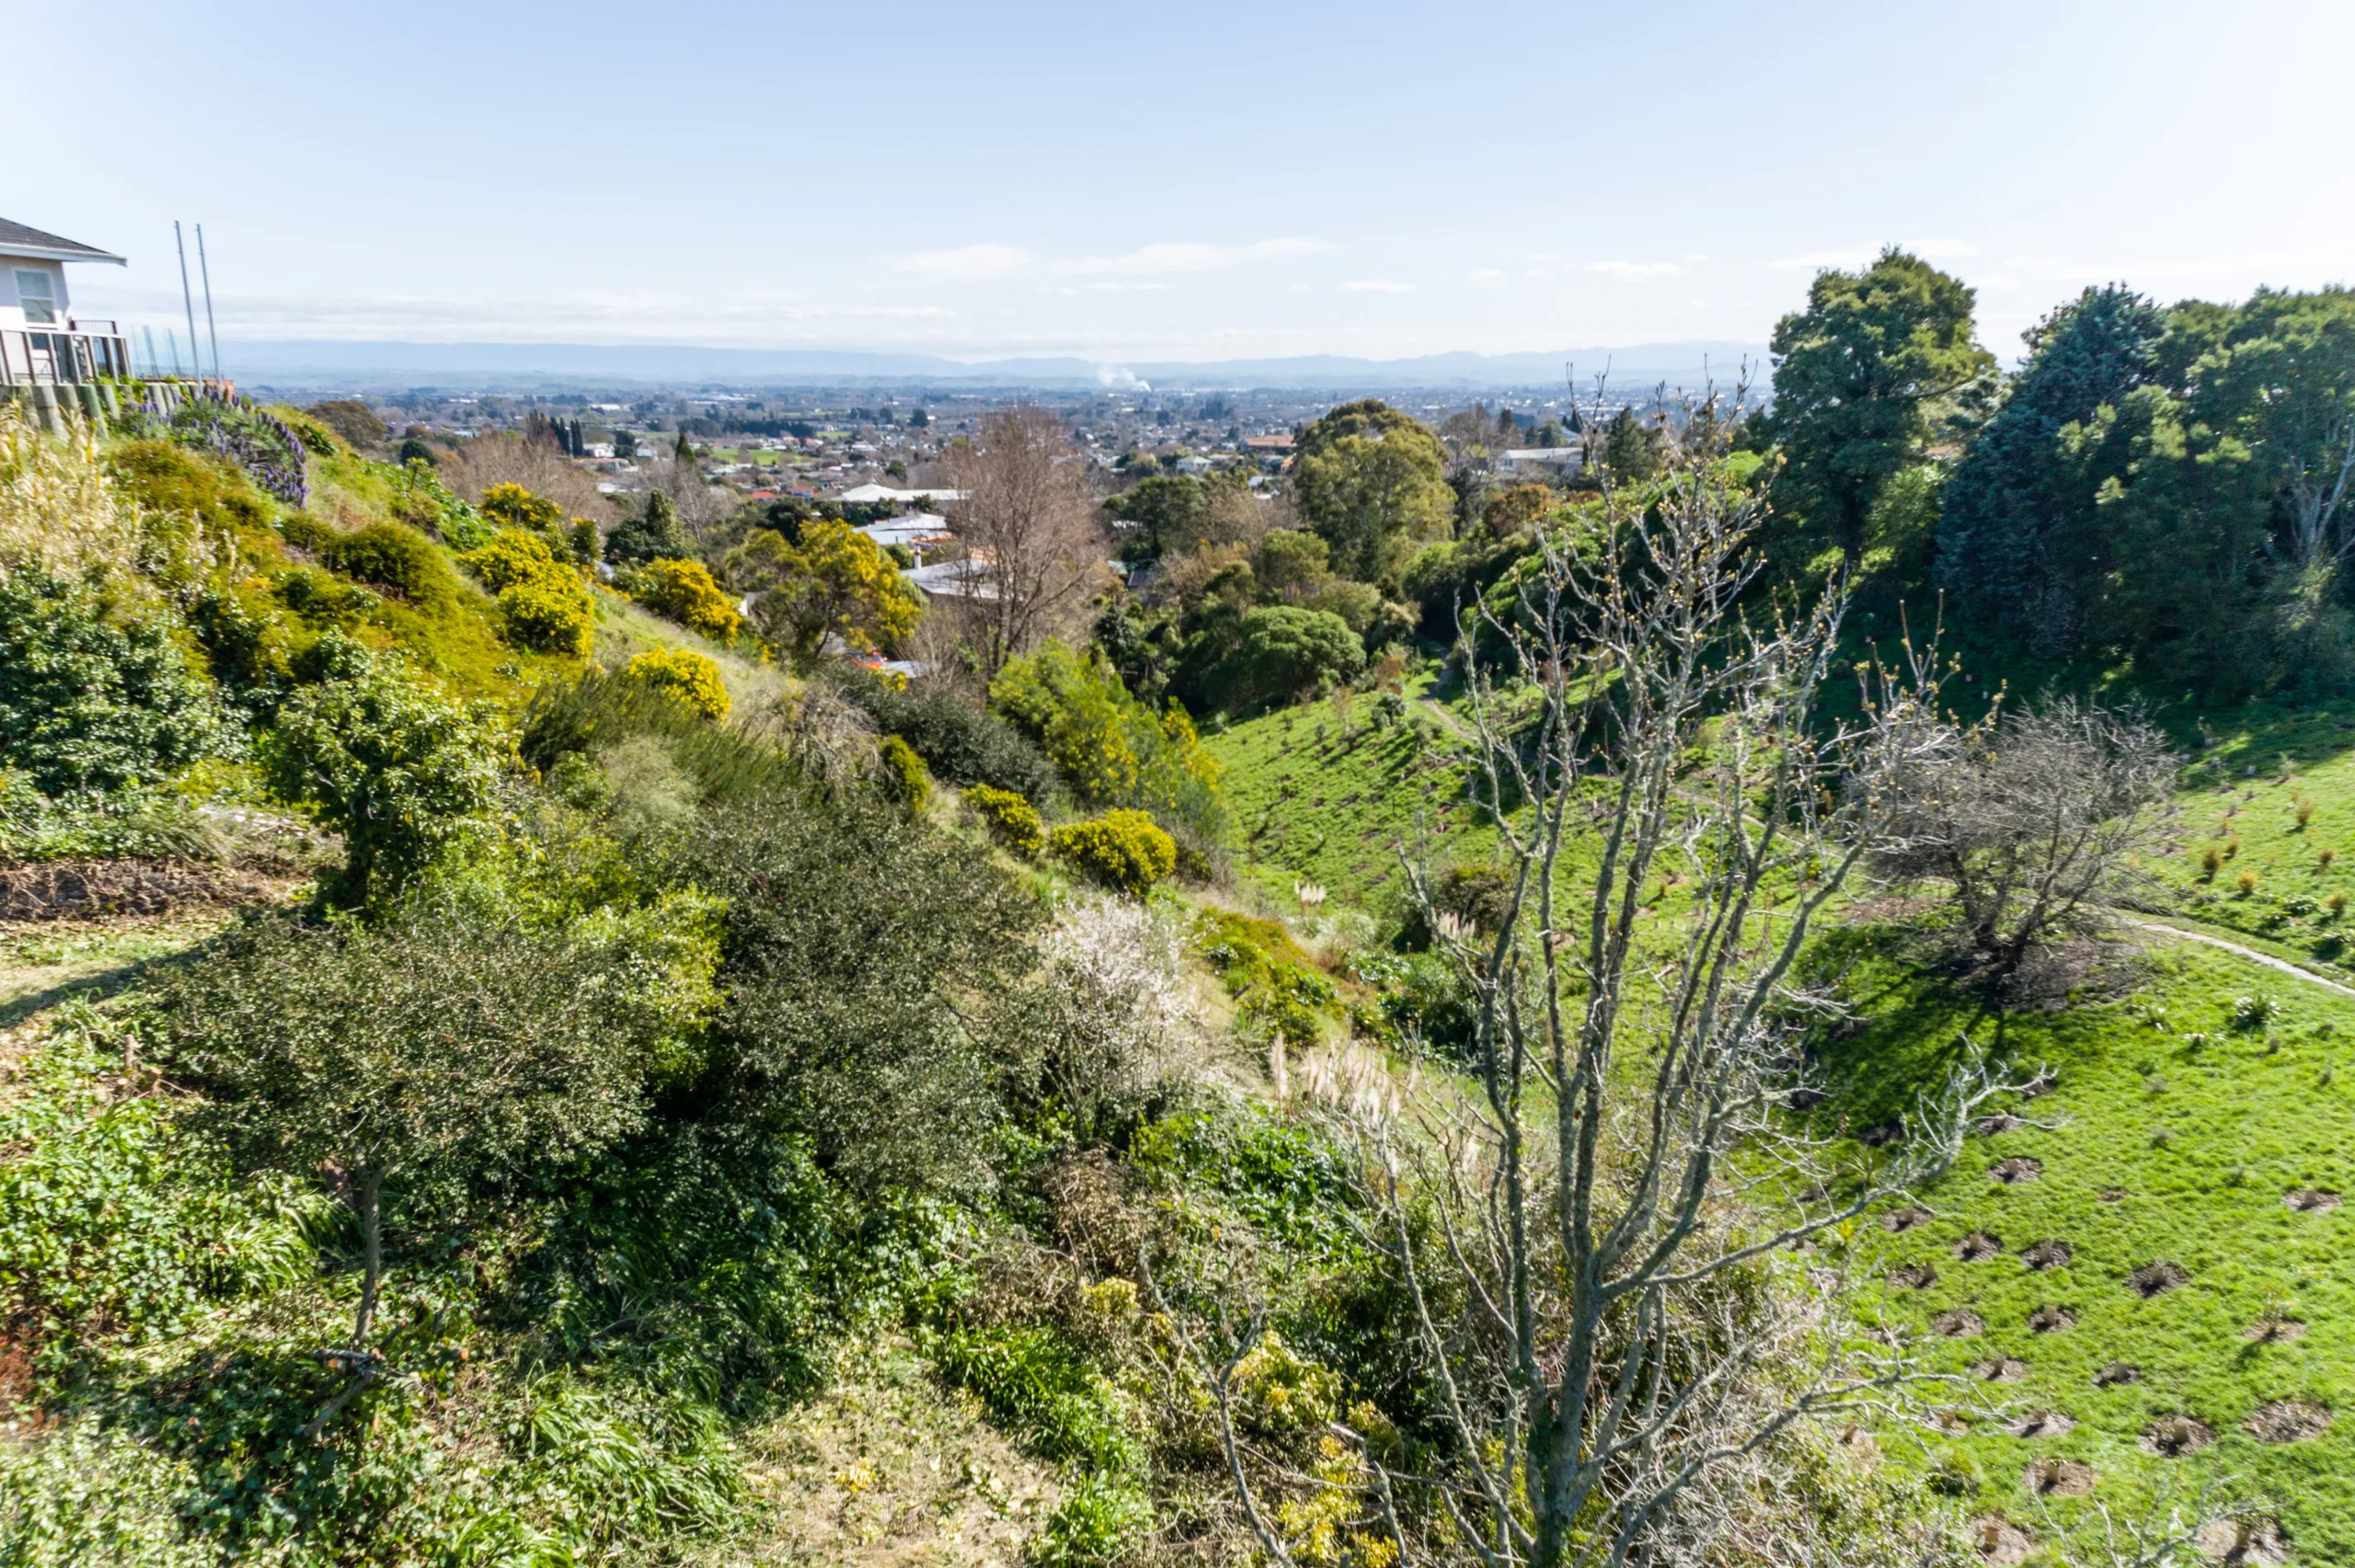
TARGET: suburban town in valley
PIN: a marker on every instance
(930, 786)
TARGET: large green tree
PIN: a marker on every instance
(2020, 540)
(1861, 377)
(1168, 512)
(1372, 482)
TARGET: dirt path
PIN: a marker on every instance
(2266, 959)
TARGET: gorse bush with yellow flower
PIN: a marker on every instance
(545, 604)
(1126, 851)
(686, 675)
(685, 591)
(1011, 820)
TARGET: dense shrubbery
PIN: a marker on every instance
(831, 582)
(1127, 851)
(904, 780)
(1111, 747)
(1011, 820)
(654, 535)
(393, 765)
(1283, 653)
(961, 743)
(391, 558)
(94, 692)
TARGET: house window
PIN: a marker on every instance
(37, 294)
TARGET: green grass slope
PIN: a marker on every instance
(2176, 1128)
(1315, 798)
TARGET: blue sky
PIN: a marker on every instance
(1187, 181)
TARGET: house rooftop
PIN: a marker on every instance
(23, 239)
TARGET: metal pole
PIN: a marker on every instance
(189, 301)
(205, 271)
(154, 365)
(174, 339)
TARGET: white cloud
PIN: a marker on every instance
(1944, 249)
(1112, 288)
(1635, 269)
(1488, 277)
(967, 262)
(1378, 286)
(1153, 260)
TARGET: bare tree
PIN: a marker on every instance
(1608, 1316)
(2032, 821)
(508, 459)
(1029, 528)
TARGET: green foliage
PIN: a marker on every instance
(420, 500)
(167, 478)
(1633, 448)
(602, 712)
(684, 591)
(95, 693)
(1170, 512)
(1126, 851)
(391, 557)
(654, 535)
(386, 761)
(904, 780)
(113, 1221)
(1033, 1382)
(2019, 536)
(833, 581)
(1862, 377)
(692, 678)
(447, 1046)
(1369, 479)
(1111, 749)
(957, 740)
(1265, 972)
(850, 929)
(1284, 653)
(1098, 1523)
(1011, 820)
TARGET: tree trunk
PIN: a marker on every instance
(366, 1186)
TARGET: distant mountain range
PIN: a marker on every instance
(517, 366)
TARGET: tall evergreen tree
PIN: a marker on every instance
(2019, 541)
(1860, 376)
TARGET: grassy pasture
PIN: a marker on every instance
(2178, 1121)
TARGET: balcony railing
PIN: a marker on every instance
(78, 351)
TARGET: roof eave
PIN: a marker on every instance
(56, 253)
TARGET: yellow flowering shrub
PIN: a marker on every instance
(905, 778)
(545, 604)
(1011, 820)
(1126, 851)
(512, 506)
(684, 592)
(836, 580)
(686, 675)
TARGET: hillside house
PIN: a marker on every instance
(41, 342)
(1539, 462)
